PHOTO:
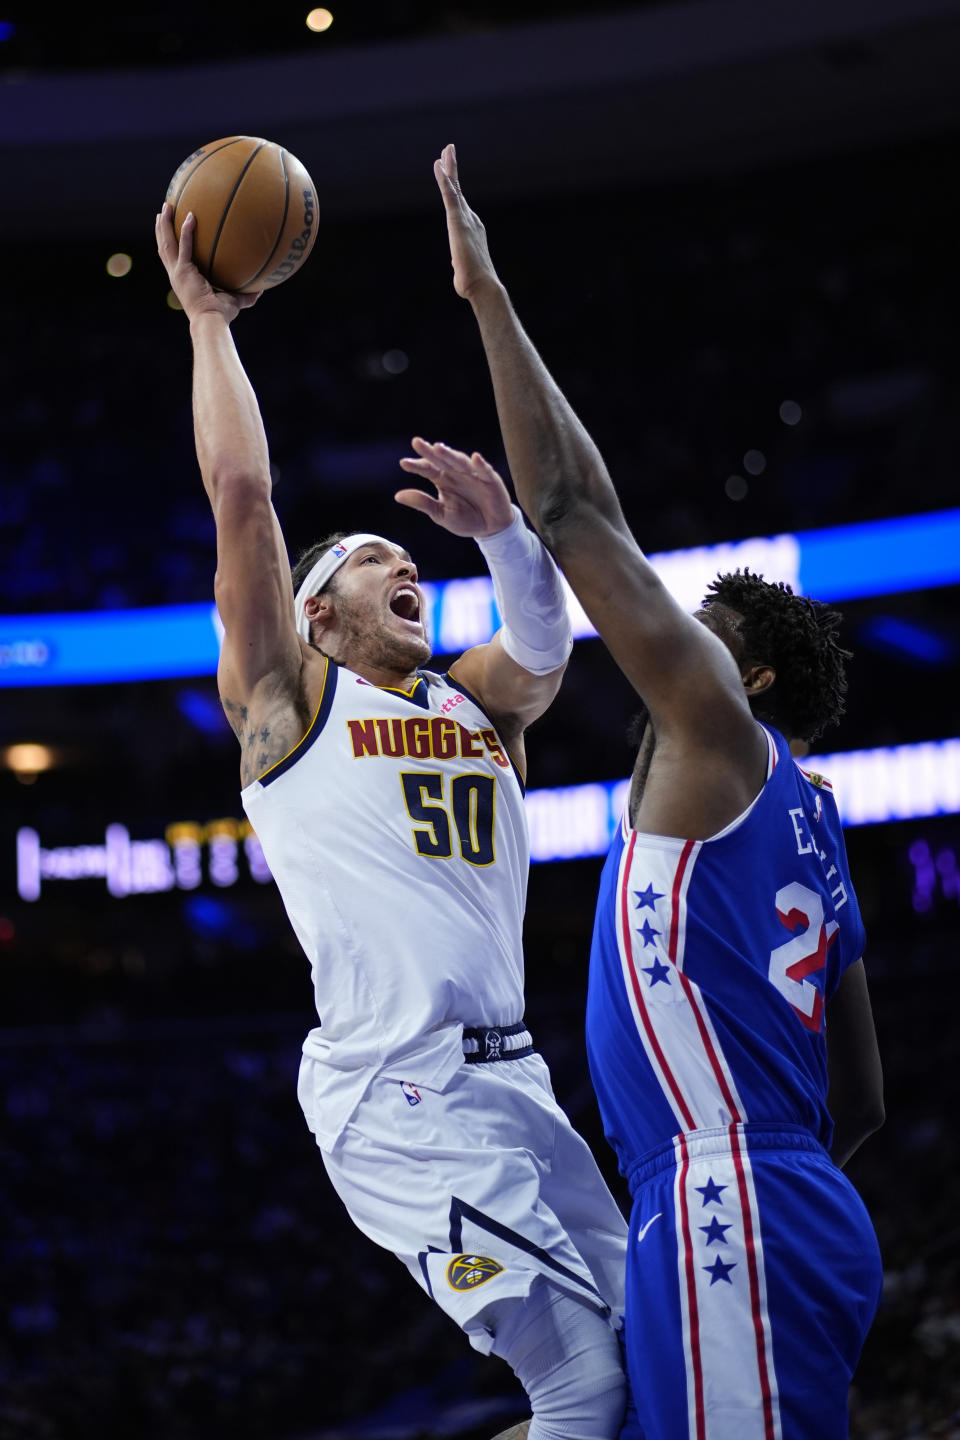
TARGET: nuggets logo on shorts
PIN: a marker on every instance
(466, 1272)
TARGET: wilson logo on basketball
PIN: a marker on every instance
(466, 1272)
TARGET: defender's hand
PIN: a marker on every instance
(471, 499)
(469, 254)
(193, 290)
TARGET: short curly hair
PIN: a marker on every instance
(797, 637)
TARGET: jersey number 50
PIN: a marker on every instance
(471, 805)
(805, 953)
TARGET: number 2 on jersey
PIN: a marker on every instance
(806, 952)
(471, 805)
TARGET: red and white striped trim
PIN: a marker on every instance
(727, 1344)
(673, 1023)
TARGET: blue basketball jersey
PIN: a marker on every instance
(711, 966)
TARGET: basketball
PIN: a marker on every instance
(256, 212)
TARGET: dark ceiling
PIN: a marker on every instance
(542, 98)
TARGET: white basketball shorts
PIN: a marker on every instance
(480, 1189)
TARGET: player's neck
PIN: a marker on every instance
(385, 677)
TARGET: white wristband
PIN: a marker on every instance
(529, 593)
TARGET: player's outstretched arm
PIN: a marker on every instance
(518, 673)
(253, 588)
(685, 674)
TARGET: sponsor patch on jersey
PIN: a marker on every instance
(410, 1093)
(466, 1272)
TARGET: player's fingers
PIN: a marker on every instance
(440, 453)
(424, 468)
(186, 238)
(433, 454)
(447, 190)
(420, 500)
(485, 468)
(163, 230)
(470, 468)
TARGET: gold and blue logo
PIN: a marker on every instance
(466, 1272)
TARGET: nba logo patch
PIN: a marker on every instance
(466, 1272)
(410, 1093)
(339, 550)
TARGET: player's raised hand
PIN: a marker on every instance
(192, 289)
(471, 499)
(469, 253)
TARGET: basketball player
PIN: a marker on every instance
(388, 800)
(726, 950)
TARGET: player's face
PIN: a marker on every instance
(725, 623)
(380, 609)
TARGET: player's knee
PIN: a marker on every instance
(567, 1358)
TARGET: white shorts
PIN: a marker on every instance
(480, 1189)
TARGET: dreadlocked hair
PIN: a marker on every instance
(308, 558)
(797, 637)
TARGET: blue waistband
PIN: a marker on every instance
(758, 1135)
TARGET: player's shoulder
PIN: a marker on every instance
(816, 793)
(814, 778)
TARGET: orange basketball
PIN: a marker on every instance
(256, 212)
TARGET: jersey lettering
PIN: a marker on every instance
(804, 954)
(839, 893)
(422, 737)
(804, 847)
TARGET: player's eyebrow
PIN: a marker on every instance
(384, 549)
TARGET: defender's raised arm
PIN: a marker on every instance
(688, 678)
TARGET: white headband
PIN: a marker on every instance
(324, 570)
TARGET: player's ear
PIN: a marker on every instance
(319, 609)
(757, 678)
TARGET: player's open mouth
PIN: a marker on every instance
(405, 602)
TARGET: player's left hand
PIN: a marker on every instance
(469, 252)
(471, 499)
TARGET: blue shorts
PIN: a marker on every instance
(753, 1275)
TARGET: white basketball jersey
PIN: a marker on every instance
(396, 833)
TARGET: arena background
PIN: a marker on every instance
(727, 227)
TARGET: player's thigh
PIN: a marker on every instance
(453, 1184)
(823, 1279)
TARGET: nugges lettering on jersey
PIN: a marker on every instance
(423, 737)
